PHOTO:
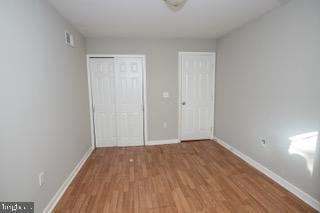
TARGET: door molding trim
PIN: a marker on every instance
(213, 54)
(144, 95)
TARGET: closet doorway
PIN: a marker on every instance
(117, 100)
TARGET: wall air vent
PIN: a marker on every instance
(69, 39)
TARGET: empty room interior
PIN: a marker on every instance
(160, 106)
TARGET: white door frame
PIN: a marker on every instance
(144, 95)
(213, 54)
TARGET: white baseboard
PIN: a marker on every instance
(162, 142)
(284, 183)
(53, 202)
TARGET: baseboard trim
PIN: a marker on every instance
(284, 183)
(53, 202)
(162, 142)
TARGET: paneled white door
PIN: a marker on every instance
(117, 96)
(103, 98)
(197, 70)
(129, 101)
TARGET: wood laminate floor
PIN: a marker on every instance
(187, 177)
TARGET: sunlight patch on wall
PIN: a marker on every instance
(305, 145)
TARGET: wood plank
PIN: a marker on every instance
(188, 177)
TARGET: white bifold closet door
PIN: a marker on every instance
(197, 71)
(129, 101)
(103, 101)
(117, 94)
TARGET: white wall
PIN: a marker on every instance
(162, 75)
(267, 86)
(44, 120)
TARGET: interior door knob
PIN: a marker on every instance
(183, 103)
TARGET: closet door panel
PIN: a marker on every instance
(103, 97)
(129, 101)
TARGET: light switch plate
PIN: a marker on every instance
(165, 94)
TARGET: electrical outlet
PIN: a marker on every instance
(165, 94)
(41, 178)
